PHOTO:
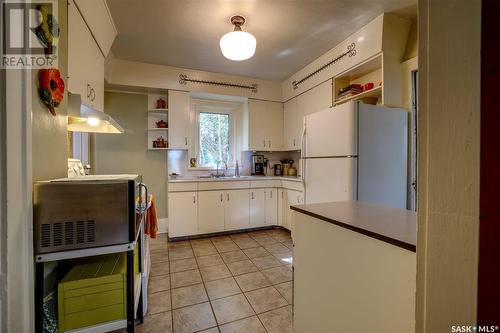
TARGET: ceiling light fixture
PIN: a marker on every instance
(238, 45)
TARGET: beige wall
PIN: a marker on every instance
(449, 120)
(411, 50)
(127, 152)
(49, 133)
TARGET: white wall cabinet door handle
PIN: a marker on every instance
(186, 141)
(271, 194)
(228, 197)
(252, 195)
(194, 199)
(221, 197)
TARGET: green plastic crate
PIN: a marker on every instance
(93, 292)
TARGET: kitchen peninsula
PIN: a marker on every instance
(355, 262)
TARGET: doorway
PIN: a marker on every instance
(412, 204)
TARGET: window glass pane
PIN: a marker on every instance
(214, 138)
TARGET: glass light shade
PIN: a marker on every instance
(238, 45)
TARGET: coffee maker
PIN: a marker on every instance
(257, 164)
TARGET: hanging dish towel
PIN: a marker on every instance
(151, 219)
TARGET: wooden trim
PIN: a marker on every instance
(488, 312)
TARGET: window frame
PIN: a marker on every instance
(233, 110)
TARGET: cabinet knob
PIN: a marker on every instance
(264, 143)
(269, 143)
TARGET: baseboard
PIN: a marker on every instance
(228, 232)
(163, 226)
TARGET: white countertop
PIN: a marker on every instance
(191, 179)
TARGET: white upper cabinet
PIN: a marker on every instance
(98, 18)
(85, 61)
(291, 134)
(314, 100)
(265, 125)
(295, 109)
(179, 104)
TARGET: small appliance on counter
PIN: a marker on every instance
(278, 170)
(286, 165)
(258, 165)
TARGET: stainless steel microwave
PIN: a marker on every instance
(87, 211)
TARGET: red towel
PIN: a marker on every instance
(151, 219)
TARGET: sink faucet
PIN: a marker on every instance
(217, 174)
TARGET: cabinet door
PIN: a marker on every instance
(271, 206)
(314, 100)
(293, 198)
(96, 78)
(98, 18)
(257, 207)
(282, 206)
(211, 211)
(291, 129)
(178, 119)
(79, 39)
(274, 125)
(85, 61)
(182, 214)
(257, 119)
(236, 209)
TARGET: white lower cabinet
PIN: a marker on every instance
(183, 214)
(257, 207)
(236, 210)
(211, 211)
(282, 207)
(218, 210)
(293, 198)
(271, 204)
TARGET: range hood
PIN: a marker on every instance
(82, 118)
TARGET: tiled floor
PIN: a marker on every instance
(238, 283)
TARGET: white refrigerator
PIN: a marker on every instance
(356, 151)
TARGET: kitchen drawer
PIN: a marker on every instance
(292, 185)
(223, 185)
(265, 183)
(183, 187)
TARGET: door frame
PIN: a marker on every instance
(489, 221)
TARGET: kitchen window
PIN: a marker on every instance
(214, 138)
(216, 133)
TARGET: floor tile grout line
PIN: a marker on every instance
(232, 276)
(208, 297)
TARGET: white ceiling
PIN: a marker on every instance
(289, 33)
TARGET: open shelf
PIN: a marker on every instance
(157, 129)
(375, 92)
(158, 110)
(369, 71)
(157, 148)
